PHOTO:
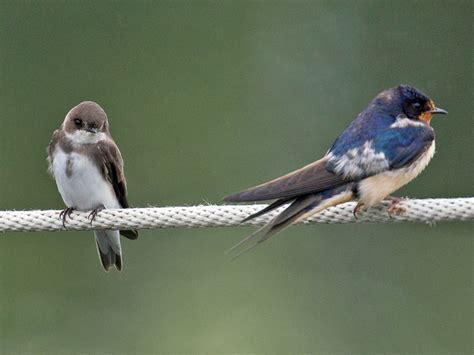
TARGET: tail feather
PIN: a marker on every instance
(267, 209)
(280, 222)
(109, 249)
(118, 262)
(301, 207)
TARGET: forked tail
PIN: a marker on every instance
(299, 208)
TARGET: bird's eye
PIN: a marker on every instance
(417, 105)
(78, 122)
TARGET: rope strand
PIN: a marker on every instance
(417, 210)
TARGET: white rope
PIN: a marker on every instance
(425, 210)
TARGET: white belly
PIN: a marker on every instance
(80, 183)
(375, 188)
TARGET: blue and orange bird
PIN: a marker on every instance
(384, 148)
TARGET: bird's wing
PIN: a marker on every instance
(111, 163)
(405, 155)
(310, 178)
(50, 150)
(391, 149)
(112, 168)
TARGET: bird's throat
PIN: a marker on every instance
(426, 117)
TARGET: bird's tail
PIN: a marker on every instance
(299, 209)
(109, 249)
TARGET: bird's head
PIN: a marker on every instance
(416, 105)
(408, 101)
(86, 123)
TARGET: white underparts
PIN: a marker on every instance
(374, 189)
(80, 182)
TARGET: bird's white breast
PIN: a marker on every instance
(80, 182)
(374, 189)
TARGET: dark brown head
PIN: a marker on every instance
(86, 123)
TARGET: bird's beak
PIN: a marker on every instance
(92, 129)
(438, 110)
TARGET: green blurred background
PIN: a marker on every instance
(206, 98)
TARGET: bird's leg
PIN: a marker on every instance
(94, 212)
(66, 213)
(393, 208)
(357, 208)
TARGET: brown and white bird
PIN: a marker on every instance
(88, 168)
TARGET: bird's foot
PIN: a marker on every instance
(65, 214)
(94, 213)
(357, 208)
(393, 209)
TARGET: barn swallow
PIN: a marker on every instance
(384, 148)
(88, 169)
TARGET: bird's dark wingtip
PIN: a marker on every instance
(235, 197)
(247, 195)
(129, 233)
(227, 198)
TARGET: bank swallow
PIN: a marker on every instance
(384, 148)
(88, 168)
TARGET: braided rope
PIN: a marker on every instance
(423, 210)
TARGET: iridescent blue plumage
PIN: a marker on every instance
(385, 147)
(403, 145)
(369, 124)
(386, 128)
(358, 153)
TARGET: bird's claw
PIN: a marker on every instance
(356, 209)
(393, 209)
(65, 214)
(94, 213)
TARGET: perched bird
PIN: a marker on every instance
(384, 148)
(88, 169)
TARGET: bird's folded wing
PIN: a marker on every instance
(391, 149)
(311, 178)
(112, 168)
(406, 155)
